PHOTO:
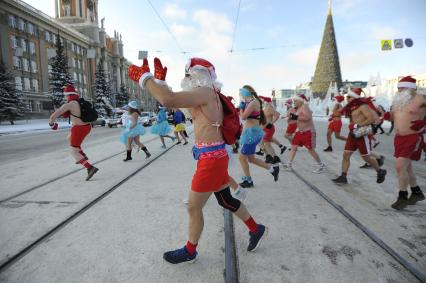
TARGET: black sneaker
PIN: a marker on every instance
(276, 173)
(185, 143)
(381, 176)
(415, 197)
(283, 148)
(90, 172)
(179, 142)
(247, 184)
(179, 256)
(400, 203)
(341, 180)
(276, 160)
(366, 165)
(269, 159)
(260, 152)
(328, 149)
(127, 159)
(148, 154)
(256, 238)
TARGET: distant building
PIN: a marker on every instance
(27, 42)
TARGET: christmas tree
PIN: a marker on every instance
(102, 92)
(12, 105)
(59, 76)
(122, 97)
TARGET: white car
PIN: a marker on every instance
(147, 118)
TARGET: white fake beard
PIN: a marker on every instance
(402, 98)
(199, 80)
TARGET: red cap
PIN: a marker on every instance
(300, 97)
(69, 90)
(407, 82)
(355, 92)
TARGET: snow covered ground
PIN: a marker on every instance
(23, 126)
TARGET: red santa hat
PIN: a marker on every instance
(407, 82)
(70, 90)
(355, 92)
(198, 64)
(266, 99)
(300, 97)
(289, 102)
(339, 98)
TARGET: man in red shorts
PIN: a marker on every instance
(305, 135)
(200, 95)
(408, 113)
(335, 125)
(271, 116)
(361, 120)
(291, 121)
(79, 129)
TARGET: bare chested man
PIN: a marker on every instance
(211, 176)
(305, 135)
(335, 125)
(291, 120)
(362, 117)
(271, 116)
(79, 129)
(408, 113)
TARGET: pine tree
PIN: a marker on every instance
(12, 105)
(59, 76)
(102, 92)
(122, 97)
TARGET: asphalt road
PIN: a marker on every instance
(33, 144)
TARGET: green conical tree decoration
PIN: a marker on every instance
(328, 66)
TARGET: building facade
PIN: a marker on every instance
(28, 42)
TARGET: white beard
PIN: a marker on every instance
(199, 79)
(402, 98)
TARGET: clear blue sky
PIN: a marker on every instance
(291, 32)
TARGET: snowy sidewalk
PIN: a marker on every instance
(22, 126)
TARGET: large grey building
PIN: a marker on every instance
(27, 42)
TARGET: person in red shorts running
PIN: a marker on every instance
(271, 116)
(200, 95)
(335, 125)
(79, 129)
(306, 134)
(362, 118)
(408, 113)
(291, 121)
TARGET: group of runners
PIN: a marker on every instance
(200, 95)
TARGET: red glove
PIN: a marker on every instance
(387, 116)
(54, 126)
(140, 74)
(160, 72)
(418, 125)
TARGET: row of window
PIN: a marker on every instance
(25, 64)
(27, 45)
(26, 84)
(79, 64)
(22, 25)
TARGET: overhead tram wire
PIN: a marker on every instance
(234, 33)
(167, 28)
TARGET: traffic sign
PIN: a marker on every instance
(398, 43)
(408, 42)
(387, 44)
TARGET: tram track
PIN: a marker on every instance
(41, 185)
(28, 248)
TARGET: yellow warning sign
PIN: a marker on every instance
(386, 44)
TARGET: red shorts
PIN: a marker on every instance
(335, 126)
(307, 139)
(409, 146)
(211, 175)
(363, 144)
(78, 133)
(269, 133)
(291, 128)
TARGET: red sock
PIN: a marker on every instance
(85, 163)
(191, 248)
(251, 224)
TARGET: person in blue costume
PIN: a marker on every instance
(161, 127)
(179, 122)
(252, 115)
(132, 130)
